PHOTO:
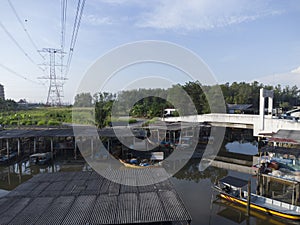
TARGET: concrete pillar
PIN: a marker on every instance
(7, 148)
(174, 137)
(270, 106)
(262, 109)
(51, 144)
(34, 145)
(19, 147)
(92, 148)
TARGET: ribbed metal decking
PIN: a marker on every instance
(88, 198)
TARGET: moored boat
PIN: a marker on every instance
(133, 163)
(40, 158)
(231, 189)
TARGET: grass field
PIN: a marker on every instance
(52, 116)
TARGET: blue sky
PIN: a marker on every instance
(239, 40)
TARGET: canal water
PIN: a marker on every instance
(194, 187)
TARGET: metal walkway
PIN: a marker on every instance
(88, 198)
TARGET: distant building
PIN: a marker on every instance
(2, 92)
(239, 108)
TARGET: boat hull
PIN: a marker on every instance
(259, 208)
(133, 166)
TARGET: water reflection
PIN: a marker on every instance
(195, 188)
(247, 148)
(13, 175)
(191, 172)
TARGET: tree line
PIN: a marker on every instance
(189, 98)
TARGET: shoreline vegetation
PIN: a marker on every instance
(104, 109)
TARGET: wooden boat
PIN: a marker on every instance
(230, 188)
(137, 165)
(4, 159)
(235, 208)
(40, 158)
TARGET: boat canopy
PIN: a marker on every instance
(234, 181)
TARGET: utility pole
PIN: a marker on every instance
(55, 91)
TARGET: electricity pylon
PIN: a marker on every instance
(55, 91)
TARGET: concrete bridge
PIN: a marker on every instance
(261, 127)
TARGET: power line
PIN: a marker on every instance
(24, 28)
(63, 22)
(18, 45)
(63, 31)
(19, 75)
(76, 26)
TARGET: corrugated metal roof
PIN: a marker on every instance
(88, 198)
(86, 131)
(292, 136)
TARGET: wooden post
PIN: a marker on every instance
(248, 197)
(79, 145)
(293, 195)
(20, 172)
(8, 175)
(268, 186)
(297, 193)
(261, 185)
(108, 144)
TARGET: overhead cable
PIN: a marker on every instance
(24, 28)
(79, 11)
(18, 45)
(19, 75)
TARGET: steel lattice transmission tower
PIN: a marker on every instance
(55, 91)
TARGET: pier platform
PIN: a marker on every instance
(88, 198)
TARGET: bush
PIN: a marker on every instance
(28, 122)
(14, 122)
(53, 123)
(41, 123)
(132, 121)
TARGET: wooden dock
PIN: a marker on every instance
(88, 198)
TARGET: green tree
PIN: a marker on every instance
(83, 100)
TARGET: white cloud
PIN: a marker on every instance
(204, 14)
(284, 79)
(297, 70)
(96, 20)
